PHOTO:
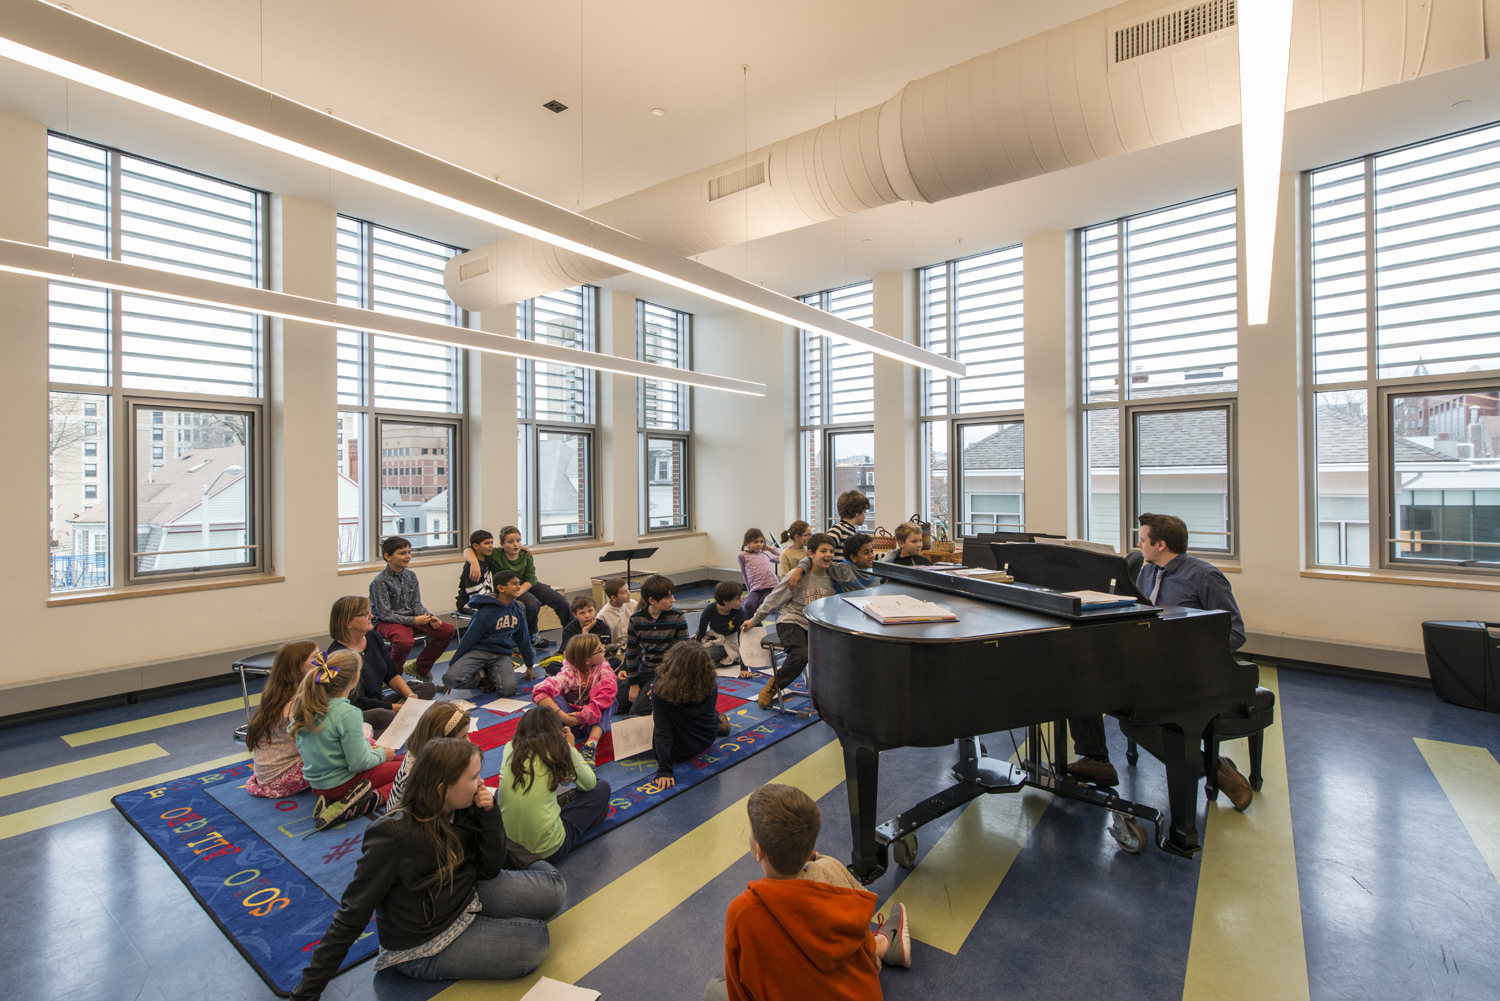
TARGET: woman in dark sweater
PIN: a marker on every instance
(351, 627)
(685, 709)
(432, 873)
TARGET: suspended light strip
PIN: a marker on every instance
(60, 42)
(95, 272)
(1265, 29)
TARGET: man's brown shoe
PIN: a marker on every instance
(1100, 773)
(1234, 785)
(767, 695)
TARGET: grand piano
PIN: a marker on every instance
(1020, 656)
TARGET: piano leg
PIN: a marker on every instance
(1182, 793)
(862, 777)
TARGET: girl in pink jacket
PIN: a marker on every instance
(583, 692)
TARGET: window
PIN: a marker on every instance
(555, 407)
(408, 393)
(1160, 348)
(128, 362)
(838, 391)
(1404, 273)
(971, 309)
(663, 337)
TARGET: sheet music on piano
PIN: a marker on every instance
(895, 609)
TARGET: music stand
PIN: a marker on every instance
(616, 555)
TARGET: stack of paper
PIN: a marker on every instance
(893, 609)
(1098, 599)
(980, 573)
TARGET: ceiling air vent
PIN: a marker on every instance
(737, 180)
(474, 268)
(1173, 28)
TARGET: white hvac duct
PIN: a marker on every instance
(1132, 76)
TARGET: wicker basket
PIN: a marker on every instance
(883, 540)
(942, 548)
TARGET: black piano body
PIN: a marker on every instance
(1004, 665)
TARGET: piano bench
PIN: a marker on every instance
(1250, 720)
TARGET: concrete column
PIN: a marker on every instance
(897, 403)
(493, 476)
(1052, 440)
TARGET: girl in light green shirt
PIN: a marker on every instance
(539, 758)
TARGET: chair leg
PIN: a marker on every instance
(1257, 745)
(1132, 754)
(1211, 767)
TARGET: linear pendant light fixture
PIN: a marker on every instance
(56, 41)
(96, 272)
(1265, 30)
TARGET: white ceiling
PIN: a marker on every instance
(465, 81)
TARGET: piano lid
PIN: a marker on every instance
(977, 618)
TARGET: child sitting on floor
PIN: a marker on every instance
(684, 709)
(719, 626)
(792, 937)
(350, 776)
(278, 766)
(582, 693)
(396, 601)
(654, 629)
(442, 719)
(619, 606)
(586, 622)
(537, 760)
(758, 567)
(908, 551)
(497, 630)
(435, 873)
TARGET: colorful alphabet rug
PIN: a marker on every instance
(272, 886)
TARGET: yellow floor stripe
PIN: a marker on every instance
(1247, 924)
(236, 704)
(953, 883)
(26, 821)
(1470, 777)
(596, 928)
(27, 781)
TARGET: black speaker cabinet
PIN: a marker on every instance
(1464, 661)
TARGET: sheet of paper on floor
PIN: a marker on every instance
(751, 652)
(547, 989)
(401, 727)
(506, 705)
(632, 735)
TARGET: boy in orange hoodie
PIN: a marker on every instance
(789, 937)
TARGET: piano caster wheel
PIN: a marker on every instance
(904, 851)
(1128, 834)
(241, 731)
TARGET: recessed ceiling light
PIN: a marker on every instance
(658, 112)
(1459, 104)
(864, 241)
(556, 107)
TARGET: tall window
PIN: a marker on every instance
(973, 441)
(664, 337)
(156, 409)
(555, 407)
(400, 422)
(1405, 318)
(838, 408)
(1161, 320)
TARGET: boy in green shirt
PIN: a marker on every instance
(509, 555)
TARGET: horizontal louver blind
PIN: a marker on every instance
(406, 279)
(663, 342)
(350, 265)
(78, 222)
(934, 285)
(989, 324)
(847, 394)
(1101, 310)
(1338, 273)
(558, 393)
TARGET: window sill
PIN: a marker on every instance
(1377, 577)
(179, 587)
(1224, 567)
(563, 547)
(666, 536)
(417, 561)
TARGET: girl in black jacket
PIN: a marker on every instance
(433, 874)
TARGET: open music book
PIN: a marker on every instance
(893, 609)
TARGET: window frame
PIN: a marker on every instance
(531, 428)
(683, 433)
(1379, 391)
(123, 453)
(1129, 409)
(373, 416)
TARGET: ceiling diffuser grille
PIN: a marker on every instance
(1171, 29)
(473, 269)
(737, 180)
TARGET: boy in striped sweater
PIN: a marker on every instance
(654, 628)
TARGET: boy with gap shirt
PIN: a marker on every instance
(791, 936)
(511, 555)
(792, 596)
(654, 628)
(396, 603)
(483, 543)
(497, 630)
(724, 617)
